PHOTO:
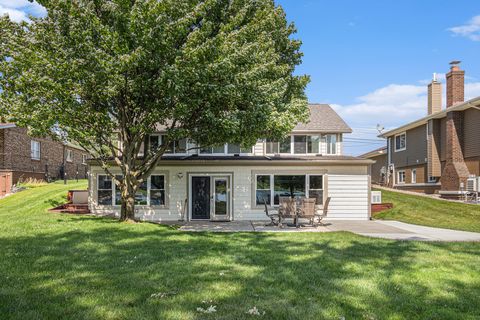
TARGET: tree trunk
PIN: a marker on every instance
(128, 189)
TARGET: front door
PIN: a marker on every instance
(210, 197)
(200, 198)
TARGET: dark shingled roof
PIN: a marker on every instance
(323, 119)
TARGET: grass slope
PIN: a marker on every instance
(55, 266)
(430, 212)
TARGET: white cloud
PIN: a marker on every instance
(470, 30)
(19, 10)
(391, 106)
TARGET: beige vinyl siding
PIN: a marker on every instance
(349, 196)
(348, 192)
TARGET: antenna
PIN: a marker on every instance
(380, 128)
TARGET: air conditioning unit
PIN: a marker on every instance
(376, 197)
(473, 184)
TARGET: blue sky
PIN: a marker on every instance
(372, 59)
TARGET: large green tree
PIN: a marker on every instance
(102, 71)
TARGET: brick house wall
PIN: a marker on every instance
(15, 149)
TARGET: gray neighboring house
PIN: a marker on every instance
(227, 183)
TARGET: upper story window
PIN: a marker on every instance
(35, 150)
(400, 142)
(331, 140)
(274, 147)
(178, 146)
(84, 158)
(69, 155)
(306, 144)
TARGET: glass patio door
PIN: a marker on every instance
(210, 197)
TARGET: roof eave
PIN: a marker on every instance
(438, 115)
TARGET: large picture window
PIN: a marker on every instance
(151, 192)
(288, 186)
(271, 186)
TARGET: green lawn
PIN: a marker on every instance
(55, 266)
(431, 212)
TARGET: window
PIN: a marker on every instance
(315, 188)
(177, 146)
(104, 194)
(300, 144)
(400, 142)
(84, 158)
(401, 177)
(157, 190)
(237, 149)
(285, 145)
(213, 150)
(432, 179)
(288, 186)
(141, 196)
(273, 147)
(35, 150)
(271, 186)
(313, 144)
(69, 155)
(151, 192)
(414, 175)
(331, 140)
(263, 193)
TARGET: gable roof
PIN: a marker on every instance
(323, 119)
(374, 153)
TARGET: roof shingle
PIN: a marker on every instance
(323, 119)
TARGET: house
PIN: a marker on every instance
(23, 157)
(439, 152)
(228, 183)
(379, 168)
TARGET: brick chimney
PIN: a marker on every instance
(455, 84)
(455, 172)
(434, 96)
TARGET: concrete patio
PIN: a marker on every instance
(378, 229)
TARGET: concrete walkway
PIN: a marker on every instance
(378, 229)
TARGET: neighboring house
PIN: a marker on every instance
(228, 183)
(379, 168)
(439, 152)
(23, 157)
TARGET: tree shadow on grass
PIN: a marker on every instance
(111, 271)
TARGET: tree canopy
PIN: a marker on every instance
(99, 71)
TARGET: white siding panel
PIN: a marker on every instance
(346, 185)
(349, 196)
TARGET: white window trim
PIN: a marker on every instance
(272, 186)
(84, 158)
(398, 177)
(114, 187)
(395, 142)
(414, 175)
(35, 150)
(69, 156)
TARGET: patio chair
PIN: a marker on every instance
(287, 209)
(306, 211)
(319, 216)
(274, 217)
